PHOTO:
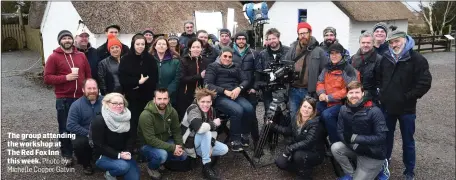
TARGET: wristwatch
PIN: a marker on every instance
(242, 87)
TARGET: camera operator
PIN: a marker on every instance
(310, 61)
(274, 52)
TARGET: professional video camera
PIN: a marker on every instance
(277, 76)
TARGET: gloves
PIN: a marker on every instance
(288, 151)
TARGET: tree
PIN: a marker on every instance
(10, 6)
(438, 15)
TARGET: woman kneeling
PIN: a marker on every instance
(110, 133)
(307, 148)
(200, 124)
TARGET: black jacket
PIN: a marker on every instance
(369, 126)
(404, 82)
(92, 57)
(209, 54)
(265, 58)
(190, 77)
(106, 142)
(220, 78)
(103, 52)
(130, 69)
(310, 137)
(367, 67)
(247, 62)
(108, 73)
(183, 40)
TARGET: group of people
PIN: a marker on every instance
(160, 99)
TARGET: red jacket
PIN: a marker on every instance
(59, 65)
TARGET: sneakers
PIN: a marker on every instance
(68, 161)
(236, 146)
(109, 177)
(346, 177)
(154, 174)
(245, 140)
(384, 173)
(409, 177)
(209, 173)
(88, 170)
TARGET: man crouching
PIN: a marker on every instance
(362, 130)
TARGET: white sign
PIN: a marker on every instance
(449, 37)
(212, 22)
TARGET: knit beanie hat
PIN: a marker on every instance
(226, 49)
(241, 33)
(148, 31)
(113, 41)
(382, 25)
(336, 47)
(62, 34)
(304, 25)
(225, 31)
(396, 34)
(173, 36)
(329, 29)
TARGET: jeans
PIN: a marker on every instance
(63, 106)
(156, 157)
(366, 167)
(329, 116)
(82, 150)
(241, 113)
(295, 97)
(203, 147)
(407, 126)
(119, 167)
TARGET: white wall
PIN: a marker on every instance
(284, 17)
(101, 39)
(59, 15)
(357, 26)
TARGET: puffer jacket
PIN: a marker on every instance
(247, 62)
(366, 65)
(334, 79)
(168, 74)
(363, 128)
(310, 137)
(220, 77)
(108, 74)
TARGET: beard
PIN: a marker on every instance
(66, 46)
(161, 106)
(329, 42)
(241, 45)
(304, 41)
(92, 96)
(398, 51)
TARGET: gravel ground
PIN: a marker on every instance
(28, 106)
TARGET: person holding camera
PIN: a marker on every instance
(307, 147)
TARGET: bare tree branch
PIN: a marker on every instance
(428, 16)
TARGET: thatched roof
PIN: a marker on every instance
(374, 10)
(36, 13)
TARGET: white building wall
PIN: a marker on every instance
(101, 39)
(284, 17)
(356, 27)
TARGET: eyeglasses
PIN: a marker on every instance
(241, 39)
(303, 33)
(226, 56)
(117, 104)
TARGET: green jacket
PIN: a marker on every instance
(168, 77)
(154, 129)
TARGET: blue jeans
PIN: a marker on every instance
(119, 167)
(295, 97)
(241, 114)
(407, 126)
(157, 157)
(329, 116)
(63, 106)
(203, 147)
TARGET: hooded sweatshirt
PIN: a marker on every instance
(59, 65)
(155, 129)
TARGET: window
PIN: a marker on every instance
(302, 15)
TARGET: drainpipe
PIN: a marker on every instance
(21, 22)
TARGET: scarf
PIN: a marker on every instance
(359, 58)
(118, 123)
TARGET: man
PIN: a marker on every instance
(209, 53)
(160, 133)
(362, 131)
(186, 35)
(149, 35)
(331, 88)
(225, 39)
(82, 44)
(102, 51)
(274, 52)
(309, 62)
(79, 118)
(329, 36)
(404, 78)
(66, 69)
(380, 31)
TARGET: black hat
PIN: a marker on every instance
(225, 31)
(113, 26)
(148, 31)
(242, 33)
(336, 47)
(62, 34)
(381, 25)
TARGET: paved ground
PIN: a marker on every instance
(29, 107)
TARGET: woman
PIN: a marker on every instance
(173, 43)
(200, 135)
(108, 69)
(149, 35)
(192, 72)
(138, 77)
(307, 147)
(168, 63)
(110, 134)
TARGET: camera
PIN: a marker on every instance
(279, 73)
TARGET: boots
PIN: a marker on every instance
(214, 161)
(209, 173)
(304, 173)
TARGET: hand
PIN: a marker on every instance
(71, 77)
(203, 73)
(327, 98)
(322, 97)
(228, 93)
(143, 79)
(269, 122)
(236, 93)
(125, 155)
(178, 150)
(252, 91)
(216, 122)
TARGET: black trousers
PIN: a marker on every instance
(136, 107)
(254, 126)
(82, 150)
(301, 162)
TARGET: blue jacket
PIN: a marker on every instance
(81, 114)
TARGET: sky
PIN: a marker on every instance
(413, 4)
